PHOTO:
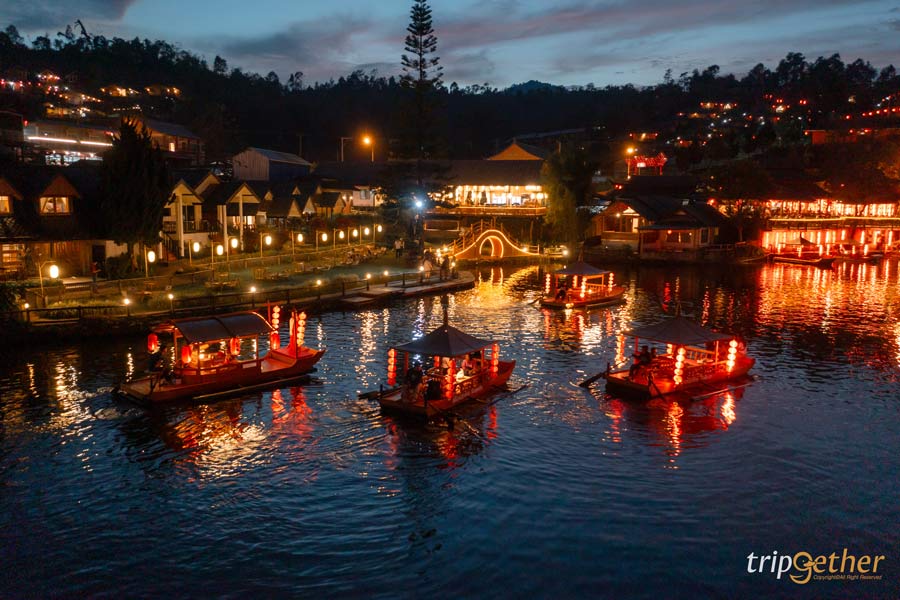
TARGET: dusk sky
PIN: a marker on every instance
(568, 42)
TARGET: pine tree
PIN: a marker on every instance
(135, 188)
(422, 76)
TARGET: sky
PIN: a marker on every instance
(498, 42)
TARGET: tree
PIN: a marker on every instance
(566, 177)
(220, 65)
(422, 77)
(740, 187)
(135, 187)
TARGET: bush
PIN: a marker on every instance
(10, 294)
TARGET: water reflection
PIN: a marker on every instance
(672, 423)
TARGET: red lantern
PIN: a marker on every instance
(235, 346)
(276, 314)
(274, 341)
(450, 380)
(301, 328)
(392, 366)
(152, 343)
(186, 354)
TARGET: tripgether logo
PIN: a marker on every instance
(803, 567)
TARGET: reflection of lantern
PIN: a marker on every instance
(152, 343)
(679, 367)
(186, 354)
(235, 346)
(274, 341)
(620, 349)
(392, 366)
(732, 354)
(547, 284)
(495, 359)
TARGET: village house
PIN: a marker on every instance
(261, 164)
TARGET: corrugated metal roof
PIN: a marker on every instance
(276, 156)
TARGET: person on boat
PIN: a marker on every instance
(413, 382)
(469, 363)
(156, 359)
(641, 360)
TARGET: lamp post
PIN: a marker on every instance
(233, 242)
(268, 241)
(323, 236)
(299, 241)
(171, 297)
(192, 249)
(149, 259)
(370, 141)
(53, 272)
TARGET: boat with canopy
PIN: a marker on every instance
(673, 356)
(801, 251)
(580, 285)
(214, 357)
(441, 370)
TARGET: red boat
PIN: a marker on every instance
(692, 359)
(455, 368)
(580, 285)
(803, 252)
(216, 357)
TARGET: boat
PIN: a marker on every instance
(692, 359)
(856, 253)
(803, 252)
(219, 356)
(580, 285)
(440, 371)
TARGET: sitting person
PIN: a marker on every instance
(641, 360)
(561, 293)
(413, 383)
(433, 390)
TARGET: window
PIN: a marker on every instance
(704, 236)
(54, 205)
(5, 205)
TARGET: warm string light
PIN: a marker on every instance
(495, 359)
(679, 367)
(392, 367)
(732, 354)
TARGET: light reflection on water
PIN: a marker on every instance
(310, 489)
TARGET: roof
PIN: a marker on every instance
(276, 156)
(519, 151)
(352, 173)
(659, 185)
(327, 199)
(581, 268)
(219, 194)
(192, 177)
(173, 129)
(687, 214)
(447, 341)
(495, 172)
(798, 189)
(678, 330)
(208, 329)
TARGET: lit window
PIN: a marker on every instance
(54, 205)
(171, 146)
(5, 206)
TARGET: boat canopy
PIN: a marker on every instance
(678, 331)
(581, 269)
(207, 329)
(447, 341)
(799, 241)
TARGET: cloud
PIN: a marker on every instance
(466, 67)
(40, 15)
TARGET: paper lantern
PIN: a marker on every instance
(392, 366)
(186, 354)
(152, 343)
(274, 341)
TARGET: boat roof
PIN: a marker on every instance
(580, 268)
(678, 330)
(207, 329)
(446, 340)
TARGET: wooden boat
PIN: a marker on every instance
(580, 285)
(856, 253)
(458, 368)
(692, 359)
(216, 357)
(803, 252)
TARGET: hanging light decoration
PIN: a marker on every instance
(732, 354)
(679, 367)
(449, 380)
(235, 346)
(152, 343)
(186, 354)
(547, 285)
(612, 279)
(301, 328)
(620, 349)
(392, 367)
(583, 287)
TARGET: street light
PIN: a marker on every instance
(149, 259)
(53, 272)
(171, 297)
(193, 249)
(268, 241)
(323, 237)
(369, 141)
